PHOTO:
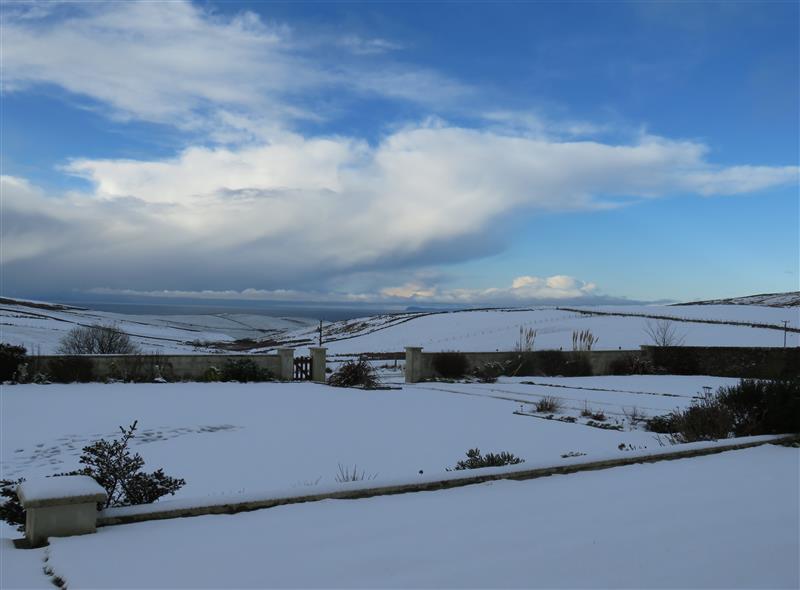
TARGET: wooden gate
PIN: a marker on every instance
(302, 368)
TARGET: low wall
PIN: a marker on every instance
(727, 361)
(743, 362)
(173, 367)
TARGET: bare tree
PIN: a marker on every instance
(97, 339)
(664, 333)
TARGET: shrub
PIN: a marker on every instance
(666, 424)
(353, 374)
(556, 362)
(11, 509)
(489, 372)
(211, 374)
(631, 364)
(97, 339)
(675, 360)
(548, 404)
(753, 407)
(475, 460)
(763, 407)
(526, 340)
(113, 466)
(11, 357)
(583, 341)
(71, 369)
(244, 370)
(450, 365)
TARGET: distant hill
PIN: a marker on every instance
(789, 299)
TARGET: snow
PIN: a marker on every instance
(728, 520)
(41, 490)
(230, 438)
(40, 330)
(498, 329)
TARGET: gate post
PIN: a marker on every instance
(413, 364)
(318, 363)
(286, 356)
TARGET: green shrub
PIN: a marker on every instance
(489, 372)
(666, 424)
(111, 464)
(475, 460)
(244, 370)
(450, 365)
(71, 369)
(358, 373)
(11, 357)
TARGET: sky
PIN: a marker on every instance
(465, 153)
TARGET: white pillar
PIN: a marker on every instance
(318, 363)
(287, 363)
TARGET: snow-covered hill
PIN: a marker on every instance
(40, 326)
(791, 299)
(616, 327)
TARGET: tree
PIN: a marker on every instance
(97, 339)
(664, 333)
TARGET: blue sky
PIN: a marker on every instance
(452, 152)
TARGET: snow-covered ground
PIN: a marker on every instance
(231, 440)
(721, 521)
(228, 438)
(489, 330)
(497, 329)
(40, 329)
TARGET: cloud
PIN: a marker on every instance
(524, 289)
(179, 64)
(296, 211)
(361, 46)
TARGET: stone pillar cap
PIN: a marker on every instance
(57, 491)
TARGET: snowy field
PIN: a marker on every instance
(40, 329)
(490, 330)
(229, 438)
(720, 521)
(498, 329)
(673, 524)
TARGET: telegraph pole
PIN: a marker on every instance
(320, 335)
(785, 323)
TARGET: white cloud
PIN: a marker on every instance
(368, 46)
(176, 63)
(296, 211)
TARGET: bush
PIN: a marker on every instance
(475, 460)
(489, 372)
(567, 364)
(11, 357)
(111, 465)
(631, 364)
(11, 510)
(353, 374)
(666, 424)
(548, 405)
(244, 370)
(763, 407)
(753, 407)
(71, 369)
(96, 339)
(450, 365)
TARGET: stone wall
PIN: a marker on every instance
(765, 363)
(172, 367)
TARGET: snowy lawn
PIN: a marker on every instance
(229, 438)
(724, 521)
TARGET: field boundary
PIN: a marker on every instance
(181, 509)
